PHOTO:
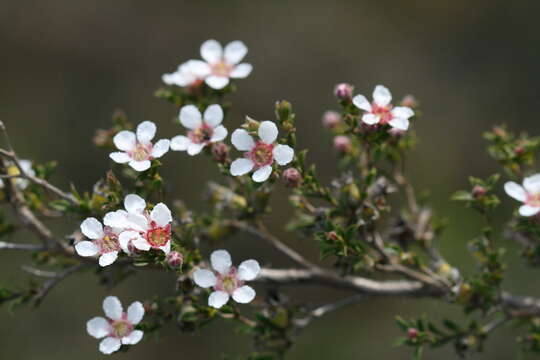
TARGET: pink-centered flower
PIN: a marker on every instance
(227, 280)
(381, 111)
(189, 74)
(103, 242)
(119, 327)
(137, 149)
(528, 194)
(203, 130)
(259, 154)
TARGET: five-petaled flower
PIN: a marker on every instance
(227, 280)
(203, 129)
(104, 242)
(137, 149)
(528, 194)
(259, 155)
(189, 74)
(119, 327)
(380, 111)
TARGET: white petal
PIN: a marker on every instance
(262, 174)
(116, 219)
(219, 134)
(146, 132)
(268, 132)
(217, 82)
(140, 165)
(86, 248)
(141, 244)
(175, 78)
(213, 115)
(283, 154)
(244, 294)
(160, 148)
(204, 278)
(515, 190)
(527, 210)
(248, 270)
(242, 140)
(92, 228)
(112, 307)
(180, 143)
(221, 261)
(361, 102)
(190, 117)
(125, 140)
(166, 248)
(217, 299)
(108, 258)
(137, 222)
(241, 166)
(532, 184)
(134, 337)
(98, 327)
(125, 237)
(382, 95)
(402, 112)
(241, 71)
(120, 157)
(198, 68)
(134, 204)
(161, 215)
(109, 345)
(399, 123)
(211, 51)
(235, 52)
(194, 149)
(370, 119)
(135, 312)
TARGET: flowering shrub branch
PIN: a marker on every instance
(380, 236)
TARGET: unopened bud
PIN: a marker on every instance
(332, 235)
(519, 150)
(478, 191)
(331, 119)
(499, 131)
(174, 259)
(343, 91)
(342, 143)
(220, 151)
(409, 101)
(292, 177)
(412, 333)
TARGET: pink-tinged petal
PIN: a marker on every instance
(527, 210)
(217, 82)
(190, 117)
(108, 258)
(362, 103)
(92, 228)
(98, 327)
(109, 345)
(241, 71)
(211, 51)
(532, 184)
(370, 119)
(217, 299)
(120, 157)
(140, 165)
(134, 204)
(242, 140)
(213, 115)
(402, 112)
(221, 261)
(248, 270)
(160, 148)
(399, 123)
(86, 248)
(135, 312)
(382, 96)
(133, 338)
(220, 133)
(116, 219)
(125, 140)
(516, 191)
(241, 167)
(141, 244)
(244, 294)
(161, 215)
(262, 174)
(195, 149)
(235, 52)
(112, 307)
(146, 132)
(180, 143)
(204, 278)
(283, 154)
(268, 132)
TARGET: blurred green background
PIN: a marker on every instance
(66, 65)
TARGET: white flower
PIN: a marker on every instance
(528, 194)
(119, 328)
(224, 63)
(104, 242)
(13, 170)
(227, 280)
(190, 73)
(141, 228)
(259, 155)
(380, 111)
(203, 129)
(137, 149)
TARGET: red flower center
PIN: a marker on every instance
(201, 135)
(261, 154)
(158, 236)
(383, 112)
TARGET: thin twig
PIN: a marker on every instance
(15, 246)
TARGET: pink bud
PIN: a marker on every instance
(412, 333)
(174, 259)
(220, 151)
(342, 144)
(292, 177)
(519, 150)
(343, 91)
(478, 191)
(331, 119)
(409, 101)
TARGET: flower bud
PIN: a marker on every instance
(221, 152)
(331, 119)
(409, 101)
(343, 91)
(519, 150)
(174, 259)
(342, 144)
(478, 191)
(292, 177)
(412, 333)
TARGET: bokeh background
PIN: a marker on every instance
(66, 65)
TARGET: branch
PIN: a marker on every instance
(27, 247)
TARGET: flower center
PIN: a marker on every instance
(121, 328)
(109, 243)
(201, 135)
(228, 283)
(142, 152)
(158, 236)
(383, 112)
(533, 200)
(261, 154)
(221, 69)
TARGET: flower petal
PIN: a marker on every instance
(532, 184)
(98, 327)
(241, 71)
(180, 143)
(135, 312)
(146, 132)
(399, 123)
(116, 219)
(244, 294)
(198, 68)
(92, 228)
(86, 248)
(221, 261)
(211, 51)
(516, 191)
(361, 102)
(382, 95)
(134, 204)
(134, 337)
(160, 148)
(166, 248)
(242, 140)
(262, 174)
(140, 165)
(402, 112)
(120, 157)
(268, 132)
(204, 278)
(370, 119)
(217, 82)
(137, 222)
(190, 117)
(125, 140)
(213, 115)
(109, 345)
(241, 166)
(161, 215)
(125, 237)
(141, 244)
(108, 258)
(283, 154)
(220, 133)
(217, 299)
(194, 149)
(112, 307)
(235, 52)
(248, 270)
(527, 210)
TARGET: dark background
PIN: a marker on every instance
(66, 65)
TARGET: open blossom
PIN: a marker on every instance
(259, 155)
(137, 149)
(380, 111)
(528, 194)
(227, 280)
(203, 130)
(103, 242)
(189, 74)
(142, 229)
(13, 170)
(119, 327)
